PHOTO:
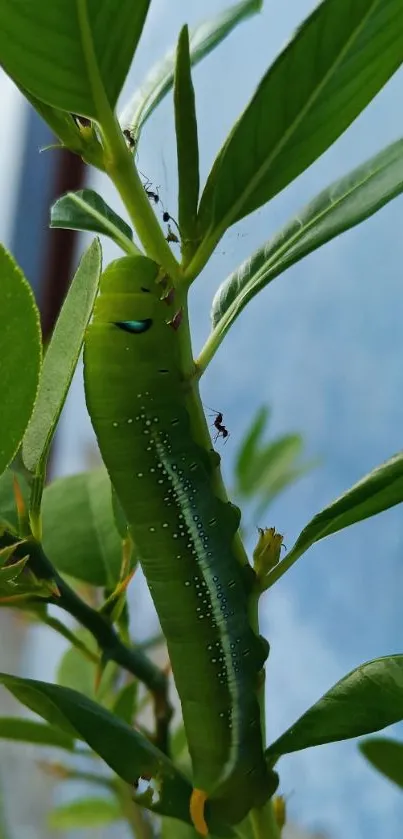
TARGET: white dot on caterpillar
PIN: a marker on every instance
(152, 529)
(165, 524)
(160, 481)
(115, 424)
(129, 421)
(139, 395)
(140, 474)
(148, 422)
(146, 431)
(187, 582)
(152, 469)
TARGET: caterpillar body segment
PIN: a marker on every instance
(183, 532)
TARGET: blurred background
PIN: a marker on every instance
(323, 346)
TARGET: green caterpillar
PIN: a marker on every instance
(184, 533)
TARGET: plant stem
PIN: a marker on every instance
(119, 165)
(200, 429)
(212, 344)
(58, 626)
(118, 162)
(254, 622)
(263, 823)
(123, 173)
(112, 647)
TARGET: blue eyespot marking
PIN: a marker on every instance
(136, 327)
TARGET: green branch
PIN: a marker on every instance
(113, 649)
(263, 822)
(118, 162)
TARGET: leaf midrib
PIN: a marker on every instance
(255, 181)
(272, 262)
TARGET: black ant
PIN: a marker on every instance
(153, 196)
(150, 193)
(222, 431)
(128, 134)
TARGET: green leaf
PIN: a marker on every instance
(125, 703)
(20, 355)
(366, 700)
(337, 61)
(244, 463)
(174, 829)
(187, 145)
(378, 491)
(30, 731)
(74, 638)
(263, 470)
(86, 144)
(342, 205)
(271, 463)
(71, 55)
(61, 359)
(10, 573)
(204, 38)
(61, 123)
(124, 750)
(18, 583)
(7, 552)
(275, 461)
(76, 671)
(86, 210)
(79, 533)
(386, 756)
(85, 812)
(8, 510)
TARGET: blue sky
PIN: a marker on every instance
(323, 345)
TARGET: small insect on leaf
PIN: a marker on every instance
(267, 553)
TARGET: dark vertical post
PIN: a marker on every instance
(46, 256)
